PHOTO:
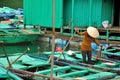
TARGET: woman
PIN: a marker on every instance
(90, 35)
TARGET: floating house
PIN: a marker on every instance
(81, 12)
(71, 13)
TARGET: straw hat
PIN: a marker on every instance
(93, 32)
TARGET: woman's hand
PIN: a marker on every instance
(76, 29)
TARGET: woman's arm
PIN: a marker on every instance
(96, 41)
(81, 33)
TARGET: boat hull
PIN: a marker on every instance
(19, 35)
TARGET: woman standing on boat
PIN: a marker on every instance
(90, 35)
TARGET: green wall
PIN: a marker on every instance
(83, 13)
(39, 12)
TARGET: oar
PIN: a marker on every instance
(19, 56)
(4, 51)
(98, 56)
(62, 53)
(65, 46)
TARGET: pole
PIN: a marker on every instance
(65, 48)
(20, 56)
(53, 38)
(103, 59)
(4, 51)
(72, 29)
(90, 12)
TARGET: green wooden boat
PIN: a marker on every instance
(116, 78)
(19, 35)
(34, 67)
(113, 53)
(98, 63)
(7, 75)
(6, 26)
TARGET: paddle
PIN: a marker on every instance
(65, 46)
(62, 53)
(98, 56)
(19, 57)
(5, 53)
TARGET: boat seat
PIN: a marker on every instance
(55, 70)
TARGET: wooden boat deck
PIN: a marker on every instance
(42, 67)
(7, 75)
(98, 63)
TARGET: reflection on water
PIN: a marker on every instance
(35, 47)
(20, 48)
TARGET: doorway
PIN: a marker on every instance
(116, 19)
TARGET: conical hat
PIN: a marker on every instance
(93, 32)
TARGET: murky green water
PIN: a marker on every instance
(20, 48)
(11, 3)
(35, 47)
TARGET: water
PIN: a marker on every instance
(20, 48)
(35, 47)
(15, 4)
(38, 46)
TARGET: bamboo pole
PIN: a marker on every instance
(4, 51)
(19, 57)
(103, 59)
(64, 48)
(53, 38)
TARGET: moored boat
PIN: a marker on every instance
(19, 35)
(34, 67)
(8, 75)
(113, 53)
(97, 63)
